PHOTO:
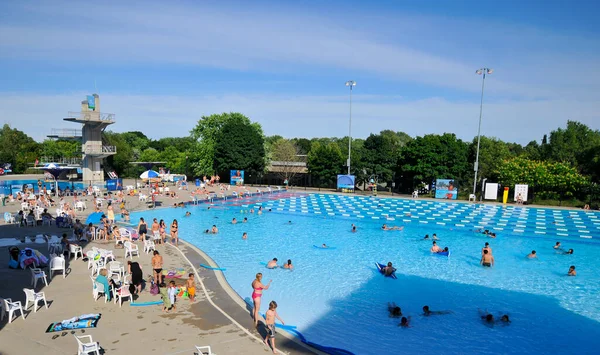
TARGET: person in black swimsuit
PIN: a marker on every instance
(142, 229)
(135, 270)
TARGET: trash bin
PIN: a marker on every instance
(197, 182)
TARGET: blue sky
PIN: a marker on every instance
(159, 66)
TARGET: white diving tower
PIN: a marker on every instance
(92, 147)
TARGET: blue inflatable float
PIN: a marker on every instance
(381, 268)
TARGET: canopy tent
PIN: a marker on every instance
(53, 171)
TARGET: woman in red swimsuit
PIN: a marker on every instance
(257, 287)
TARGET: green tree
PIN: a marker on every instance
(325, 162)
(18, 149)
(285, 153)
(120, 162)
(239, 144)
(205, 135)
(492, 152)
(432, 156)
(303, 145)
(549, 180)
(570, 145)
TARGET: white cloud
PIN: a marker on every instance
(304, 116)
(434, 51)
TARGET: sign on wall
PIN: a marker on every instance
(491, 191)
(446, 189)
(236, 177)
(91, 102)
(345, 182)
(521, 192)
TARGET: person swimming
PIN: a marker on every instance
(572, 271)
(391, 228)
(234, 221)
(288, 265)
(427, 312)
(557, 245)
(394, 310)
(188, 213)
(272, 264)
(353, 228)
(435, 248)
(434, 237)
(487, 259)
(444, 251)
(532, 255)
(426, 237)
(570, 251)
(324, 246)
(404, 322)
(245, 220)
(245, 236)
(389, 269)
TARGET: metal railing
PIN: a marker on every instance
(60, 160)
(92, 116)
(65, 133)
(98, 149)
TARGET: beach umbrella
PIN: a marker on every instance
(149, 174)
(94, 218)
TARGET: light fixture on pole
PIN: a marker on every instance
(482, 71)
(351, 84)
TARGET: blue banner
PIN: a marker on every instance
(91, 102)
(236, 177)
(114, 184)
(446, 189)
(346, 182)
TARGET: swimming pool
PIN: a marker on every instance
(336, 298)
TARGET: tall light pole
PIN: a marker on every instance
(351, 84)
(481, 71)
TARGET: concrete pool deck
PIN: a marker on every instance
(216, 318)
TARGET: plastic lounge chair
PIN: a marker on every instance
(148, 246)
(99, 290)
(201, 349)
(34, 297)
(131, 249)
(37, 274)
(8, 306)
(89, 346)
(57, 263)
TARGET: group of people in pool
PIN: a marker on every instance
(273, 264)
(396, 312)
(436, 249)
(486, 232)
(213, 230)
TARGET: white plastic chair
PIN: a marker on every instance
(8, 306)
(98, 290)
(200, 350)
(25, 206)
(34, 297)
(115, 267)
(88, 347)
(79, 205)
(30, 221)
(122, 292)
(37, 274)
(75, 249)
(57, 263)
(143, 198)
(148, 246)
(9, 218)
(472, 197)
(131, 249)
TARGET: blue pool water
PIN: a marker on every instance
(336, 298)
